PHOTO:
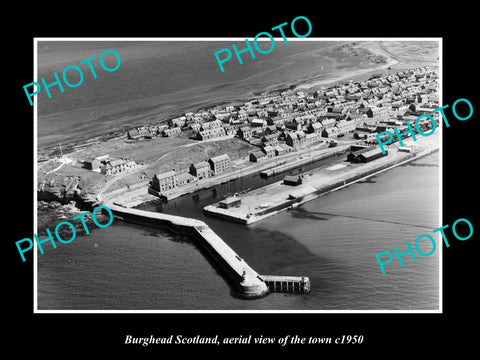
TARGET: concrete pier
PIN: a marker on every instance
(249, 282)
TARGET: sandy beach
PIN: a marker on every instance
(396, 59)
(344, 76)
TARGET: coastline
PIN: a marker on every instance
(345, 76)
(168, 106)
(50, 150)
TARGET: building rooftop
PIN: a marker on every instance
(230, 200)
(165, 175)
(185, 176)
(312, 135)
(371, 152)
(220, 158)
(258, 153)
(117, 162)
(201, 164)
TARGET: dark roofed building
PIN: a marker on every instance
(257, 155)
(91, 164)
(229, 202)
(353, 155)
(371, 155)
(365, 155)
(292, 180)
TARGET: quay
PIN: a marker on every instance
(261, 203)
(248, 282)
(244, 168)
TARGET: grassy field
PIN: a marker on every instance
(180, 157)
(159, 155)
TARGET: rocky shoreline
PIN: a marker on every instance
(50, 213)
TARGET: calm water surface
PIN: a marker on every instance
(332, 239)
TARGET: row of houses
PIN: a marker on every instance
(147, 132)
(269, 151)
(151, 132)
(313, 131)
(213, 133)
(108, 165)
(197, 171)
(339, 107)
(273, 145)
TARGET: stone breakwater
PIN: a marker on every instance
(247, 281)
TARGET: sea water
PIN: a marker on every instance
(333, 240)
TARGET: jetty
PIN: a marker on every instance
(287, 284)
(248, 282)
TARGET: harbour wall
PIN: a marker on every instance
(248, 282)
(262, 167)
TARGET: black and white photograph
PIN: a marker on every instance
(262, 187)
(203, 180)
